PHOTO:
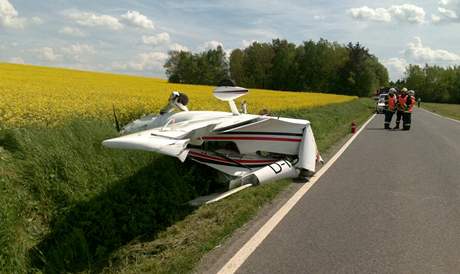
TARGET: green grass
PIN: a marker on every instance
(449, 110)
(70, 205)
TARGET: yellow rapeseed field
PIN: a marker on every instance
(47, 96)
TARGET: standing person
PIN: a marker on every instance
(390, 107)
(419, 100)
(402, 97)
(407, 115)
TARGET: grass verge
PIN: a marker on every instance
(449, 110)
(70, 205)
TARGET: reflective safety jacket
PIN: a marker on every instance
(410, 103)
(391, 106)
(402, 102)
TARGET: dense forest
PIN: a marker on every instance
(311, 66)
(433, 83)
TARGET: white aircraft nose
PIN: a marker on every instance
(147, 142)
(127, 142)
(110, 143)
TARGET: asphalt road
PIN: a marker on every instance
(390, 204)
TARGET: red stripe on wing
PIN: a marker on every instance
(255, 138)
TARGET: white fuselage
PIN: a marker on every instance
(233, 144)
(255, 148)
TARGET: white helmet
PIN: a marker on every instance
(411, 92)
(392, 90)
(404, 90)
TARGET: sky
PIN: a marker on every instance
(134, 36)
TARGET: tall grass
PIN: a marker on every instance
(67, 201)
(449, 110)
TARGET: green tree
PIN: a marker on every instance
(237, 67)
(206, 68)
(258, 64)
(283, 63)
(358, 76)
(315, 66)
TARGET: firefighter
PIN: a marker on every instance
(390, 107)
(401, 105)
(407, 115)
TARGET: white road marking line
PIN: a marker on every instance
(457, 121)
(240, 257)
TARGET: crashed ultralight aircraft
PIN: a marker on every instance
(252, 149)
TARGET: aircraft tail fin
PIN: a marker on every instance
(229, 93)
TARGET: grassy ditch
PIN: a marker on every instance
(70, 205)
(449, 110)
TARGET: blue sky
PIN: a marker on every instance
(134, 36)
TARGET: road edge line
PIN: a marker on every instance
(250, 246)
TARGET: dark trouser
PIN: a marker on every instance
(388, 116)
(407, 116)
(399, 115)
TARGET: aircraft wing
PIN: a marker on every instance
(147, 141)
(170, 140)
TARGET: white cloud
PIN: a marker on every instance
(78, 52)
(213, 44)
(72, 31)
(396, 67)
(16, 60)
(48, 54)
(228, 52)
(90, 19)
(319, 17)
(407, 13)
(435, 18)
(75, 52)
(37, 20)
(418, 54)
(247, 43)
(148, 61)
(366, 13)
(178, 47)
(137, 19)
(449, 12)
(9, 16)
(423, 54)
(157, 39)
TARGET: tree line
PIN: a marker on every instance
(433, 83)
(311, 66)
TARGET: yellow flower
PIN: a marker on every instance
(48, 96)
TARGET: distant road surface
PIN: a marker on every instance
(390, 204)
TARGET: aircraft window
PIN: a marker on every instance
(217, 145)
(270, 154)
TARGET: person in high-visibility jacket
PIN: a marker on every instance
(407, 115)
(401, 105)
(390, 107)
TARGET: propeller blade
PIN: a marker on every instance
(117, 125)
